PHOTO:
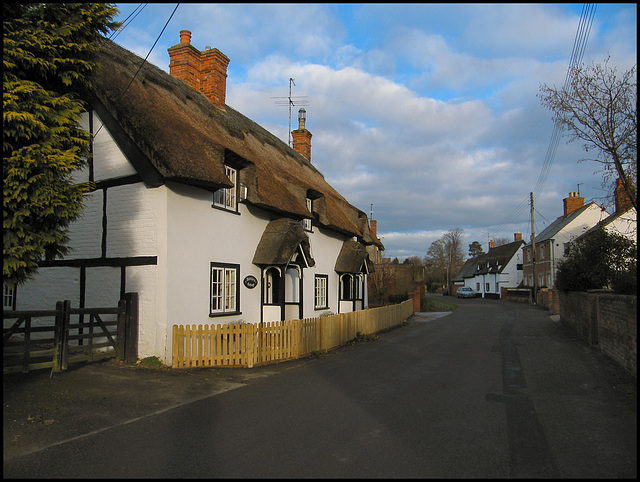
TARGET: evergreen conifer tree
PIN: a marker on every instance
(47, 59)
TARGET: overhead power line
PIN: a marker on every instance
(579, 46)
(132, 16)
(144, 61)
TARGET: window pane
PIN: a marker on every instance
(7, 299)
(218, 197)
(216, 289)
(231, 192)
(230, 287)
(321, 292)
(226, 197)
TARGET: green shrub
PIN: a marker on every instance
(151, 362)
(599, 260)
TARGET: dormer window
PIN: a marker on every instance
(226, 198)
(306, 223)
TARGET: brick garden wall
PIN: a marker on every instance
(604, 319)
(618, 328)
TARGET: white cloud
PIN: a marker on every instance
(427, 111)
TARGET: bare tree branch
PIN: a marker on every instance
(600, 108)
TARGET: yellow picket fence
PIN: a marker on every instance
(248, 345)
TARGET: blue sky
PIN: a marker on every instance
(429, 112)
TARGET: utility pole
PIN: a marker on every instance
(533, 255)
(449, 270)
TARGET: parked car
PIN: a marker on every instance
(465, 292)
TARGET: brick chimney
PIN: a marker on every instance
(623, 200)
(572, 203)
(374, 227)
(517, 236)
(492, 244)
(204, 71)
(301, 136)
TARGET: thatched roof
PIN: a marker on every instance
(174, 133)
(280, 241)
(353, 258)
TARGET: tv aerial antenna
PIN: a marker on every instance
(291, 101)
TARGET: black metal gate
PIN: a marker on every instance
(55, 338)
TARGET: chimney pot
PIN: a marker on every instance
(204, 71)
(185, 37)
(302, 137)
(572, 203)
(302, 118)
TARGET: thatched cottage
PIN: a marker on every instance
(206, 215)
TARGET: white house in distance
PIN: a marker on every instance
(206, 215)
(624, 221)
(487, 274)
(552, 241)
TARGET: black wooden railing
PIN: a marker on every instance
(54, 338)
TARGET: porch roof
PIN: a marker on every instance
(353, 258)
(280, 242)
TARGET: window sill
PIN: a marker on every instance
(225, 313)
(230, 211)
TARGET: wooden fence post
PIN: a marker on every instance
(65, 316)
(122, 330)
(131, 336)
(57, 339)
(249, 340)
(27, 343)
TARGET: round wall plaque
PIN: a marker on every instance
(250, 282)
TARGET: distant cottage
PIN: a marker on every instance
(490, 273)
(515, 264)
(205, 214)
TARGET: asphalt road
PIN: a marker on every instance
(492, 390)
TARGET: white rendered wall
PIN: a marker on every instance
(511, 276)
(109, 161)
(197, 235)
(325, 247)
(625, 225)
(132, 220)
(85, 237)
(49, 286)
(585, 221)
(135, 217)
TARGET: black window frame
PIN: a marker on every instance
(326, 292)
(224, 267)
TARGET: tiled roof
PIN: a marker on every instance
(492, 262)
(560, 223)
